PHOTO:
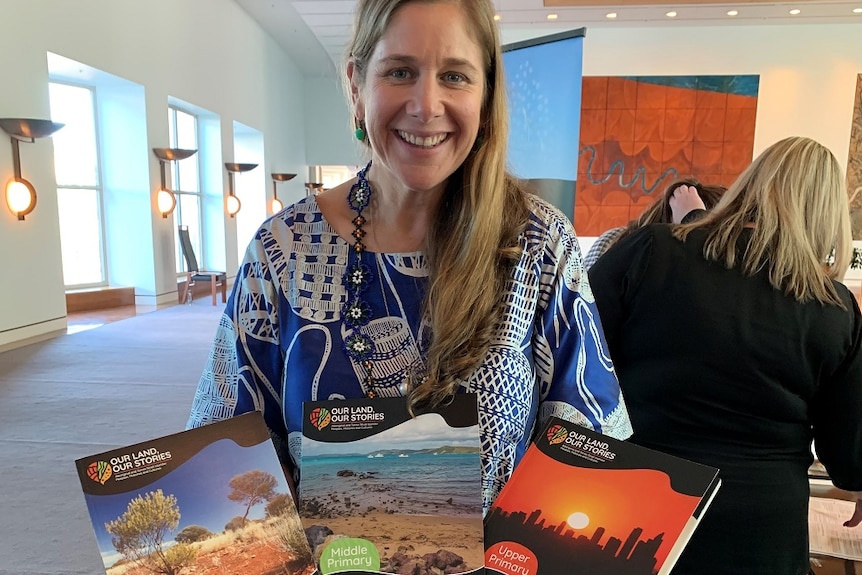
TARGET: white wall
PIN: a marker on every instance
(248, 147)
(328, 129)
(207, 52)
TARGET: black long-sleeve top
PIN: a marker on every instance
(726, 370)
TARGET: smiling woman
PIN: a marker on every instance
(431, 273)
(419, 94)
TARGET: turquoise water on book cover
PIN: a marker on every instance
(411, 483)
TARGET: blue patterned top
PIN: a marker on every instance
(280, 340)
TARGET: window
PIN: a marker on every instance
(185, 177)
(79, 186)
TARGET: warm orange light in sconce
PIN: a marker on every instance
(276, 206)
(166, 200)
(232, 204)
(20, 197)
(20, 194)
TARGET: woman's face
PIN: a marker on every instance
(421, 98)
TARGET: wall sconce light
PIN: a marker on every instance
(231, 202)
(20, 194)
(165, 198)
(276, 206)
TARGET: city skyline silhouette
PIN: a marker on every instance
(560, 549)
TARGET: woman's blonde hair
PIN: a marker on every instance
(793, 197)
(473, 241)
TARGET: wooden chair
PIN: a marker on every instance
(217, 280)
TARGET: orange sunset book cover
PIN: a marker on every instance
(582, 502)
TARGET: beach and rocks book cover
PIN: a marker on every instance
(383, 492)
(582, 502)
(207, 501)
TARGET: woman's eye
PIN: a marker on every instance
(399, 74)
(454, 77)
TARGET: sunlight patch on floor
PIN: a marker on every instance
(70, 329)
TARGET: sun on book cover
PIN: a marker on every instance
(383, 492)
(207, 501)
(582, 502)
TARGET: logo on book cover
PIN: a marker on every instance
(99, 471)
(320, 417)
(557, 434)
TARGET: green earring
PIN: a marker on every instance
(360, 134)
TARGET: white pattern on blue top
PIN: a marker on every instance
(280, 340)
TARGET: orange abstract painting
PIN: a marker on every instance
(639, 134)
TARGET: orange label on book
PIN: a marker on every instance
(511, 558)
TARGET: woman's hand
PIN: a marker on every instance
(857, 515)
(683, 200)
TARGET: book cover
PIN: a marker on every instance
(582, 502)
(383, 492)
(208, 501)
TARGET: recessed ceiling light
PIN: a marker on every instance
(552, 16)
(732, 12)
(611, 15)
(497, 17)
(795, 11)
(671, 14)
(857, 10)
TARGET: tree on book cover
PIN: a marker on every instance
(384, 491)
(582, 502)
(212, 500)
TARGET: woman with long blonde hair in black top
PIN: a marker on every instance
(736, 346)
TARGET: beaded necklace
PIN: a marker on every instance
(356, 312)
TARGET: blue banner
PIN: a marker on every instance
(543, 78)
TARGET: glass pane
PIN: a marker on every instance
(80, 236)
(172, 122)
(187, 138)
(183, 129)
(187, 176)
(189, 214)
(187, 131)
(75, 156)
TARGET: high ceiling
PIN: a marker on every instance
(314, 32)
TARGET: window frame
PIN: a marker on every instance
(196, 236)
(97, 187)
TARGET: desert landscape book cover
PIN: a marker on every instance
(208, 501)
(383, 492)
(582, 502)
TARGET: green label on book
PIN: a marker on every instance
(349, 554)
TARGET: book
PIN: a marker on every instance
(211, 500)
(383, 491)
(582, 502)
